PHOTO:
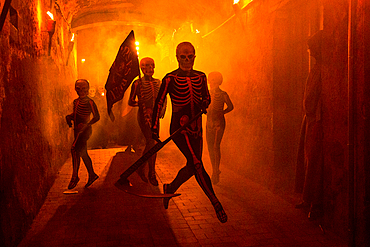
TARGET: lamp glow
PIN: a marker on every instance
(50, 15)
(137, 47)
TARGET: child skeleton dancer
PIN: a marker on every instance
(189, 94)
(215, 126)
(146, 90)
(83, 107)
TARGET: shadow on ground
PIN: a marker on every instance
(105, 215)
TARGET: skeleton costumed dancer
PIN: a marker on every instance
(215, 126)
(83, 107)
(146, 90)
(189, 95)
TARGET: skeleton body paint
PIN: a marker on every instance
(189, 95)
(215, 126)
(146, 90)
(83, 108)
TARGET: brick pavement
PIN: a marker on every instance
(103, 215)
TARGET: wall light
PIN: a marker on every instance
(238, 13)
(137, 47)
(236, 7)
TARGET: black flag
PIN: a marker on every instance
(122, 72)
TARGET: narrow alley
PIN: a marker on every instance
(103, 215)
(286, 87)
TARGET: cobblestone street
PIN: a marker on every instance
(103, 215)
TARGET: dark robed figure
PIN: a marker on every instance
(309, 173)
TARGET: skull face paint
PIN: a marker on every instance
(215, 79)
(185, 54)
(147, 66)
(92, 92)
(101, 91)
(82, 88)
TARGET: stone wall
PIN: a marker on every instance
(361, 75)
(346, 104)
(36, 92)
(335, 113)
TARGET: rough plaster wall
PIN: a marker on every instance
(361, 78)
(254, 106)
(361, 75)
(290, 70)
(361, 62)
(335, 116)
(35, 95)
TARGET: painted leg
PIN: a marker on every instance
(204, 182)
(76, 165)
(151, 162)
(211, 147)
(152, 174)
(217, 156)
(141, 173)
(88, 163)
(183, 175)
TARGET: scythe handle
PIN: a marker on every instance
(155, 149)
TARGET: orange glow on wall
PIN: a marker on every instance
(39, 15)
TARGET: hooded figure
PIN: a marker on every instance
(309, 172)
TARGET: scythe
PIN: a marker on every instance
(160, 144)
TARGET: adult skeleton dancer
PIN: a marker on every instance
(189, 94)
